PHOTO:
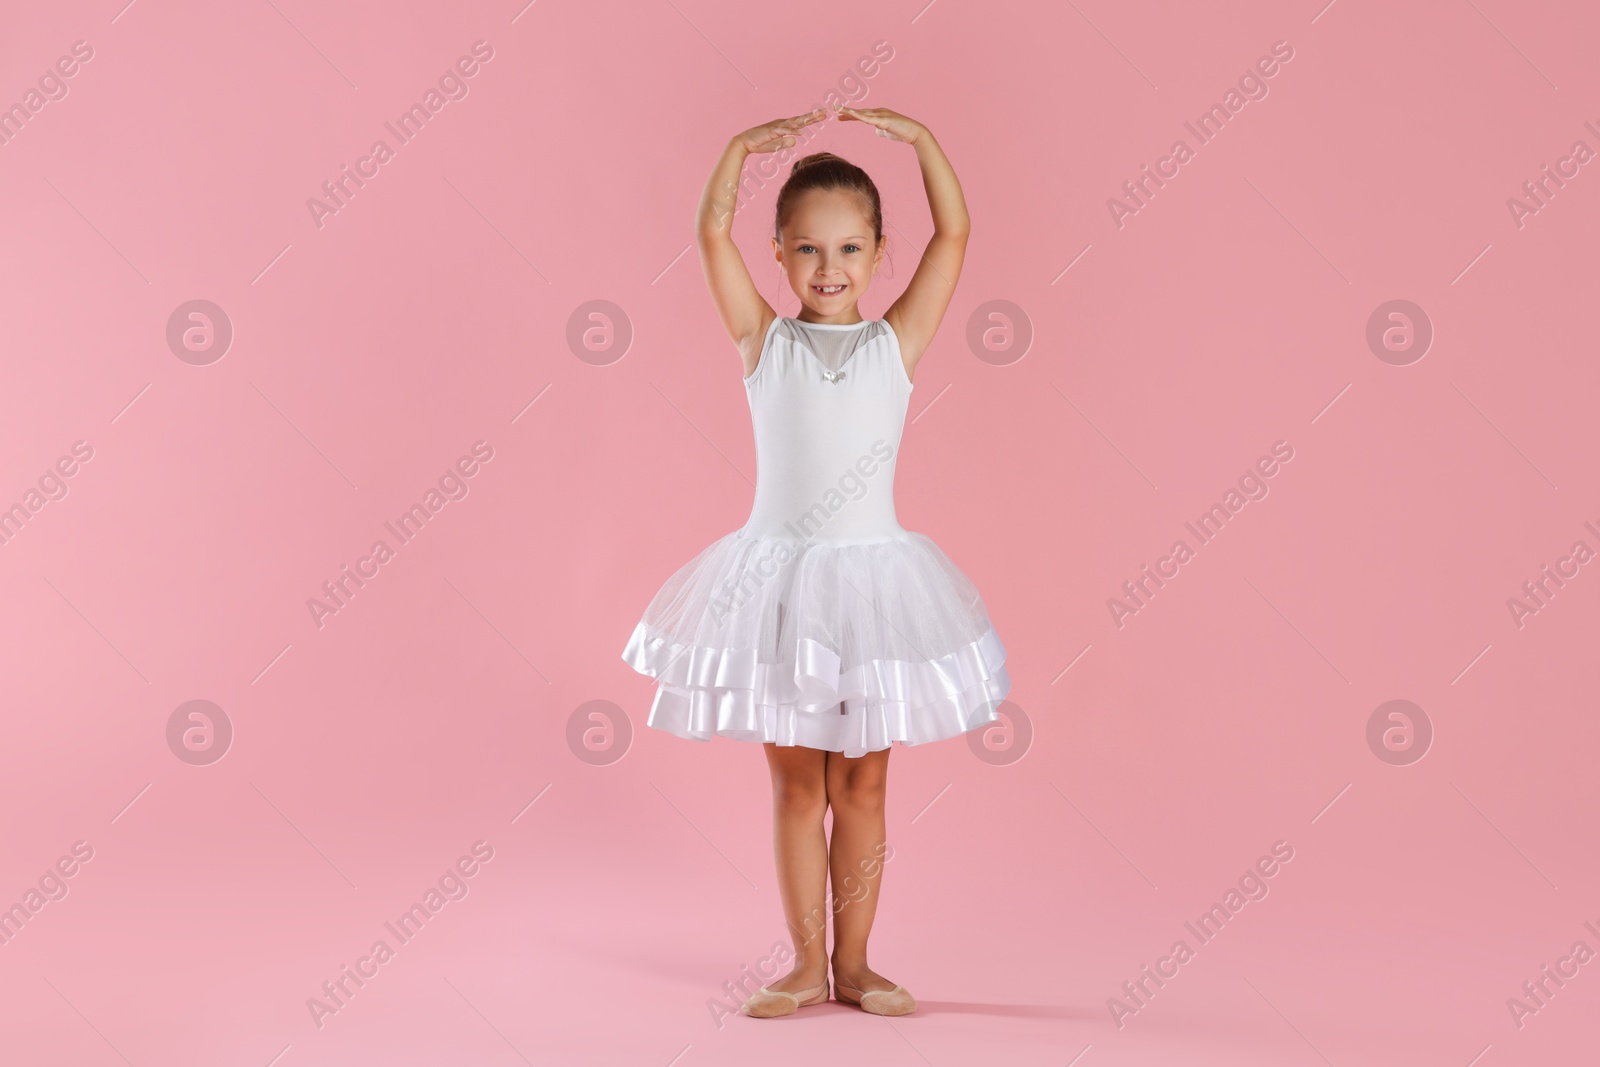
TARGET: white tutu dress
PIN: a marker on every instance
(822, 622)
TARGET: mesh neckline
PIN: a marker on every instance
(830, 325)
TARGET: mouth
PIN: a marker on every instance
(827, 290)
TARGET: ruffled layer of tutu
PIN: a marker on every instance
(846, 647)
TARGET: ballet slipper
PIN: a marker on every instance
(894, 1001)
(771, 1003)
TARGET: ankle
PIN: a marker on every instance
(847, 964)
(816, 968)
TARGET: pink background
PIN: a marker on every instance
(430, 312)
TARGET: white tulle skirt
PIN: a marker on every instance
(842, 646)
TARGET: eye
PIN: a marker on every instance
(808, 248)
(852, 248)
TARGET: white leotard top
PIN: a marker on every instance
(828, 403)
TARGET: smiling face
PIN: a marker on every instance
(829, 254)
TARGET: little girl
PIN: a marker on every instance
(822, 628)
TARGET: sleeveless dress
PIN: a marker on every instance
(822, 622)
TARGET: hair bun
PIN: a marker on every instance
(815, 157)
(825, 170)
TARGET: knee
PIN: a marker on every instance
(857, 793)
(799, 793)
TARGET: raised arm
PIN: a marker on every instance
(916, 315)
(744, 313)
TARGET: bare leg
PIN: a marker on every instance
(799, 800)
(855, 793)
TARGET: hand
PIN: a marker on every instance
(777, 134)
(889, 123)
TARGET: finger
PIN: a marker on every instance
(854, 114)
